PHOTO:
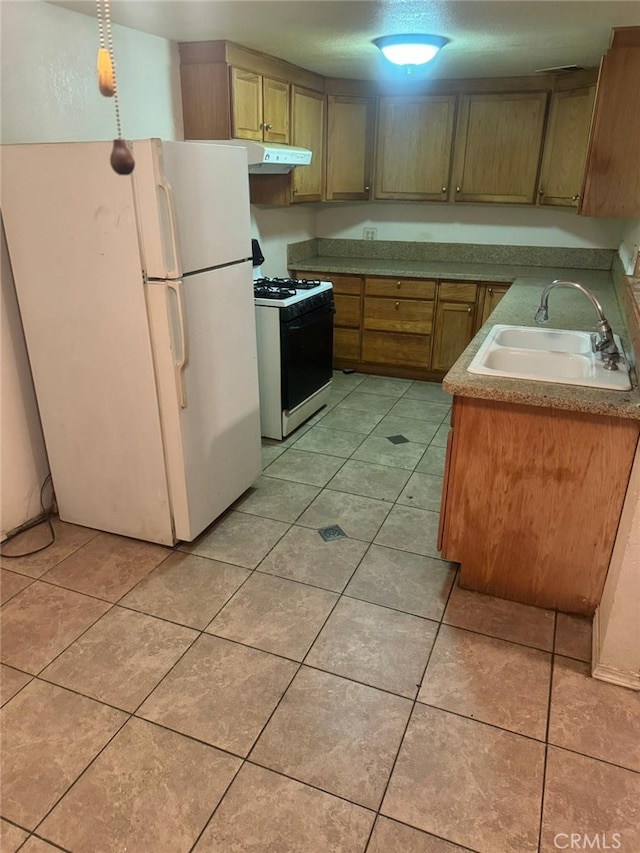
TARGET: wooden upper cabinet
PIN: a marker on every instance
(565, 147)
(612, 177)
(275, 111)
(246, 99)
(307, 119)
(260, 107)
(415, 137)
(349, 147)
(497, 148)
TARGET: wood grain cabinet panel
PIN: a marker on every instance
(396, 349)
(612, 177)
(347, 321)
(398, 315)
(565, 147)
(349, 147)
(498, 145)
(307, 120)
(275, 111)
(414, 147)
(533, 501)
(454, 329)
(246, 100)
(260, 107)
(400, 288)
(488, 300)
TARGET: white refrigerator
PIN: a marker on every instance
(137, 304)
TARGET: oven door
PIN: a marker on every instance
(306, 345)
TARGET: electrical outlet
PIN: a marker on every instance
(369, 233)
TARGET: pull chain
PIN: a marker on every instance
(122, 160)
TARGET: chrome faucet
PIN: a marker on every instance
(605, 343)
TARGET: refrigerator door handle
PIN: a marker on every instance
(183, 348)
(169, 241)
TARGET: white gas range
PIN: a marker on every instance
(294, 323)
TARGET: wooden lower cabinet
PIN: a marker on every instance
(532, 499)
(488, 301)
(454, 323)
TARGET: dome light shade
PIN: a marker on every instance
(410, 48)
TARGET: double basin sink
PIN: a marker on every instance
(548, 355)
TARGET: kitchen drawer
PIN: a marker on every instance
(400, 288)
(456, 291)
(398, 315)
(346, 344)
(349, 284)
(347, 310)
(386, 348)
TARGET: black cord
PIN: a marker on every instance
(47, 518)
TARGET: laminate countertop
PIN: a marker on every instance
(568, 309)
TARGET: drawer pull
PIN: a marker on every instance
(398, 284)
(397, 305)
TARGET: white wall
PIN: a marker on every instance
(470, 223)
(49, 94)
(274, 228)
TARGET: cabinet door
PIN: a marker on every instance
(565, 147)
(246, 99)
(275, 111)
(612, 178)
(493, 293)
(497, 148)
(453, 332)
(349, 147)
(415, 138)
(307, 109)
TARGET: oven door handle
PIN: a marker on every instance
(308, 319)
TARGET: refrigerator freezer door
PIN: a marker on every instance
(193, 206)
(71, 232)
(212, 444)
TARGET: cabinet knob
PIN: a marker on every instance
(540, 192)
(366, 189)
(268, 126)
(490, 289)
(575, 197)
(398, 284)
(397, 305)
(295, 190)
(444, 189)
(261, 125)
(469, 310)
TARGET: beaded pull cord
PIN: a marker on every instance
(121, 159)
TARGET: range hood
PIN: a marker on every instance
(267, 158)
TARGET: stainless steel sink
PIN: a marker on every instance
(548, 355)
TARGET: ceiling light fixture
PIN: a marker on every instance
(410, 49)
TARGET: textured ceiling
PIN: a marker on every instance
(333, 37)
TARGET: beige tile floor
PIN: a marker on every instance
(263, 690)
